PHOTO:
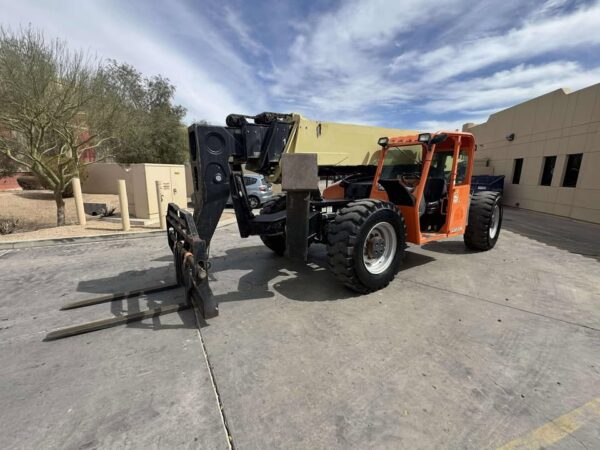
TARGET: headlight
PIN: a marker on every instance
(425, 137)
(383, 141)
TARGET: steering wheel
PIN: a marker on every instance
(410, 178)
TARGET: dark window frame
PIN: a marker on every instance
(517, 170)
(548, 167)
(572, 169)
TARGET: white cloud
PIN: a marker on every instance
(339, 63)
(442, 125)
(335, 66)
(110, 32)
(243, 32)
(366, 61)
(508, 87)
(578, 29)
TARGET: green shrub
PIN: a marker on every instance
(7, 226)
(29, 183)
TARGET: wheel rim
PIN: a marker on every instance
(495, 221)
(379, 248)
(253, 202)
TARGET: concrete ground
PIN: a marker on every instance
(462, 350)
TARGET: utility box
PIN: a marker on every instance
(140, 179)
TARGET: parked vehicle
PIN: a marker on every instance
(258, 190)
(487, 183)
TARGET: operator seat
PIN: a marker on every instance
(435, 190)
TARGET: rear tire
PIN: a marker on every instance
(485, 221)
(365, 244)
(275, 242)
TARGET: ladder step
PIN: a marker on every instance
(114, 321)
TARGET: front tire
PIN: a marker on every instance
(485, 221)
(365, 244)
(274, 242)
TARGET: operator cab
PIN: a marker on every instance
(427, 178)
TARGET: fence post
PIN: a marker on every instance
(159, 198)
(124, 205)
(78, 201)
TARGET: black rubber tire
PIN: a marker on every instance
(274, 242)
(253, 201)
(345, 240)
(477, 235)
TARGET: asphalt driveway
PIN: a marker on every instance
(462, 350)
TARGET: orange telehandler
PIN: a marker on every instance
(393, 187)
(412, 188)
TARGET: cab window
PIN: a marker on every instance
(462, 166)
(441, 165)
(400, 161)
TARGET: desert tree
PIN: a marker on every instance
(153, 132)
(56, 104)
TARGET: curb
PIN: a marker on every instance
(87, 239)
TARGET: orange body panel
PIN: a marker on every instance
(458, 194)
(334, 192)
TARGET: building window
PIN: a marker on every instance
(517, 170)
(572, 170)
(549, 163)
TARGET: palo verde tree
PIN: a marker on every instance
(55, 104)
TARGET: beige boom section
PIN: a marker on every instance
(338, 144)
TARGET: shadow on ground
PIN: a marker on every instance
(448, 247)
(140, 279)
(264, 274)
(37, 195)
(582, 238)
(312, 282)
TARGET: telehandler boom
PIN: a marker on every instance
(393, 187)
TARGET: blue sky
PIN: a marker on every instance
(413, 63)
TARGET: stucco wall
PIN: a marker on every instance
(555, 124)
(140, 183)
(101, 178)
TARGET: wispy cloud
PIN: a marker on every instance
(243, 32)
(417, 63)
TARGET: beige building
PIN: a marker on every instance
(140, 181)
(548, 148)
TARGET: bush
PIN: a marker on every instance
(29, 183)
(7, 226)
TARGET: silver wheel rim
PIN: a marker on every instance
(379, 248)
(495, 222)
(253, 202)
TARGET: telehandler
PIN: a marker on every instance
(393, 187)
